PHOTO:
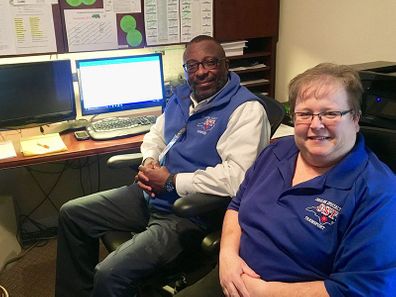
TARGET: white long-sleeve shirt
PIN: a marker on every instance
(247, 133)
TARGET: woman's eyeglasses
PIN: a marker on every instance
(306, 117)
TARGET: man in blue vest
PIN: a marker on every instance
(208, 136)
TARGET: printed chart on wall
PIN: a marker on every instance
(175, 21)
(27, 27)
(103, 24)
(162, 21)
(196, 17)
(57, 26)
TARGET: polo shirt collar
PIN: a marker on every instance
(341, 176)
(344, 174)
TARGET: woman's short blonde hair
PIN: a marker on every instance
(327, 73)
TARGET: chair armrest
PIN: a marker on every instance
(211, 243)
(199, 204)
(126, 160)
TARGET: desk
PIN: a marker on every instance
(75, 149)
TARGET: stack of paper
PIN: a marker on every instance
(255, 65)
(234, 48)
(254, 81)
(42, 144)
(7, 150)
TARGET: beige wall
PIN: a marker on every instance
(339, 31)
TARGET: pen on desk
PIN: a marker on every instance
(43, 145)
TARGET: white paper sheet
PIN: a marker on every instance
(90, 29)
(34, 28)
(196, 18)
(7, 35)
(26, 29)
(28, 2)
(126, 6)
(162, 21)
(7, 150)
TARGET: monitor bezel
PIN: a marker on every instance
(29, 121)
(125, 107)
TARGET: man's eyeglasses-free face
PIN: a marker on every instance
(326, 117)
(208, 64)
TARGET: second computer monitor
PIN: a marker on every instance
(120, 83)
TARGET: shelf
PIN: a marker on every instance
(236, 22)
(256, 67)
(255, 83)
(249, 70)
(249, 55)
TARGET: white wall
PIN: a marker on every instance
(339, 31)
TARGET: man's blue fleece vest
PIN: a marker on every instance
(196, 148)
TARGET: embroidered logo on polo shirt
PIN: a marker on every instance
(325, 213)
(206, 125)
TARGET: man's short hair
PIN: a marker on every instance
(200, 38)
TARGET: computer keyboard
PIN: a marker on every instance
(117, 127)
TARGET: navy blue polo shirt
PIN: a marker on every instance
(338, 227)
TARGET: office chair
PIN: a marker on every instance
(275, 111)
(191, 265)
(382, 142)
(3, 292)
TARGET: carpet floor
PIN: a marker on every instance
(34, 274)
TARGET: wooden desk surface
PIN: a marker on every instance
(75, 149)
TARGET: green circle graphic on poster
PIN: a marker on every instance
(127, 23)
(134, 38)
(88, 2)
(73, 3)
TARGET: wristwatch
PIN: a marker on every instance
(169, 184)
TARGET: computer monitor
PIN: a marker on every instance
(36, 93)
(120, 83)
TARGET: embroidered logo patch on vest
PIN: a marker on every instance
(325, 213)
(206, 125)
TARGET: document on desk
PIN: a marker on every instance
(42, 144)
(7, 150)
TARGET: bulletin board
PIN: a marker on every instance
(62, 26)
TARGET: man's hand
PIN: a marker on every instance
(140, 177)
(151, 163)
(151, 178)
(231, 269)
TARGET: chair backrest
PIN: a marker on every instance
(275, 111)
(383, 143)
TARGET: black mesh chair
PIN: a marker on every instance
(195, 263)
(275, 111)
(382, 142)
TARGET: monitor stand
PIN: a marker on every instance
(72, 125)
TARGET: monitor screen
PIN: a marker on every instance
(36, 93)
(120, 83)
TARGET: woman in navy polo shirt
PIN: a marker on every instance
(315, 214)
